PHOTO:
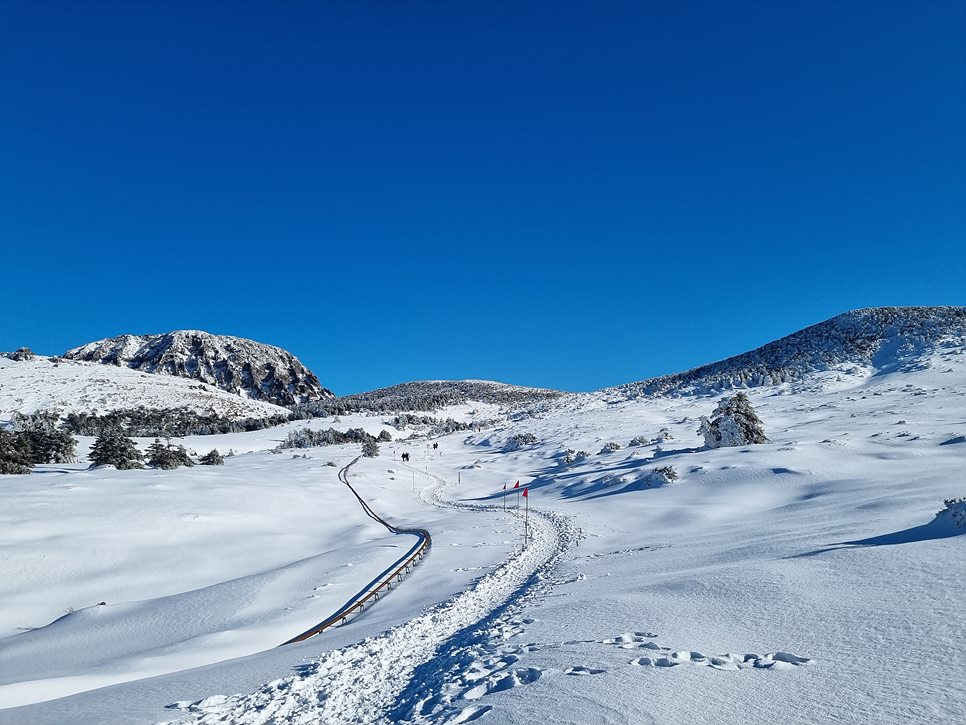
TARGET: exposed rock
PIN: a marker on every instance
(244, 367)
(20, 354)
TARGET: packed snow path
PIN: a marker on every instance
(382, 583)
(373, 681)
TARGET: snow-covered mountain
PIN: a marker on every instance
(431, 395)
(880, 338)
(797, 580)
(244, 367)
(70, 386)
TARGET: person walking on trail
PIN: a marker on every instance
(435, 446)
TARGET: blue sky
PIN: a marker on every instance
(561, 194)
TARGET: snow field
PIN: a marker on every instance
(370, 682)
(195, 566)
(71, 386)
(810, 547)
(803, 580)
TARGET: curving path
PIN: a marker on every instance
(406, 673)
(382, 583)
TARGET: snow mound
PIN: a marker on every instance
(952, 516)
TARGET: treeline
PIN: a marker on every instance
(425, 395)
(307, 438)
(144, 422)
(113, 448)
(437, 426)
(35, 438)
(367, 404)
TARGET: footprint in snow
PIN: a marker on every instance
(581, 670)
(655, 662)
(732, 662)
(629, 638)
(471, 713)
(505, 681)
(480, 670)
(726, 662)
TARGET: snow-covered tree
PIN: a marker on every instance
(14, 453)
(733, 423)
(954, 509)
(370, 449)
(155, 452)
(113, 448)
(519, 440)
(661, 476)
(167, 456)
(45, 440)
(51, 446)
(212, 458)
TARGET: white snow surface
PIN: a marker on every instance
(70, 386)
(804, 580)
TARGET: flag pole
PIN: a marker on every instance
(526, 518)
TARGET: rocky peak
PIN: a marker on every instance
(244, 367)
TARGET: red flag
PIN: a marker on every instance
(525, 493)
(516, 485)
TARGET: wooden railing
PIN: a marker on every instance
(371, 593)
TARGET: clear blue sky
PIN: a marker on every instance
(560, 194)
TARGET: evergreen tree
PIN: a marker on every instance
(43, 437)
(14, 453)
(50, 446)
(113, 448)
(370, 449)
(212, 458)
(156, 452)
(167, 457)
(733, 423)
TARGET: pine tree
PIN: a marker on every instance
(14, 453)
(45, 441)
(156, 452)
(113, 448)
(167, 457)
(370, 449)
(212, 458)
(733, 423)
(50, 446)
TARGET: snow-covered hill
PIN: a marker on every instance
(802, 580)
(880, 338)
(434, 395)
(805, 579)
(244, 367)
(70, 386)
